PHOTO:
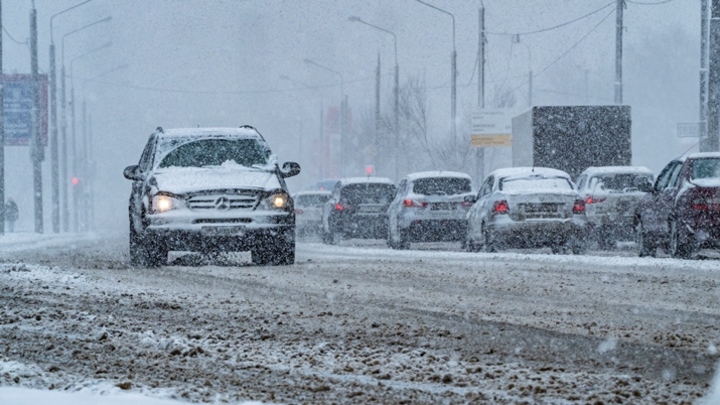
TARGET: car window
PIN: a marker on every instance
(215, 152)
(621, 181)
(581, 182)
(674, 176)
(312, 200)
(664, 176)
(486, 187)
(705, 168)
(367, 193)
(442, 186)
(520, 184)
(146, 157)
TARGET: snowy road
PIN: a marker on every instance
(359, 323)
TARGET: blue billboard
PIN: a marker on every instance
(17, 109)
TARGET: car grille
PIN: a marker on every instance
(223, 202)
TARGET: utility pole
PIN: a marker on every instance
(619, 51)
(530, 88)
(711, 142)
(2, 136)
(703, 73)
(480, 152)
(36, 150)
(377, 113)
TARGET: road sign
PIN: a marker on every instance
(690, 129)
(17, 109)
(491, 127)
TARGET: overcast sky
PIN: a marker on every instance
(177, 63)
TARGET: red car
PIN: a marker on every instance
(682, 210)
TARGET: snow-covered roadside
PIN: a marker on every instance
(19, 241)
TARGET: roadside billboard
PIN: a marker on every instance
(17, 109)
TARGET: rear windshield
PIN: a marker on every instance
(622, 181)
(311, 200)
(705, 168)
(532, 184)
(367, 193)
(215, 152)
(442, 186)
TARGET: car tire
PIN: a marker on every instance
(280, 252)
(643, 241)
(470, 244)
(157, 252)
(489, 242)
(680, 242)
(138, 253)
(404, 236)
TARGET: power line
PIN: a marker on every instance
(567, 51)
(13, 39)
(559, 25)
(648, 3)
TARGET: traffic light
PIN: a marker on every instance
(75, 181)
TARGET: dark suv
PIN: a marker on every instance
(681, 211)
(210, 189)
(357, 208)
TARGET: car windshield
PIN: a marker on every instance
(705, 168)
(519, 184)
(621, 181)
(442, 186)
(311, 200)
(215, 152)
(367, 193)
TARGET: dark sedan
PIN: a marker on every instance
(681, 211)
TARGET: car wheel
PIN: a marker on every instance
(403, 242)
(643, 241)
(489, 240)
(280, 252)
(680, 243)
(470, 244)
(157, 252)
(138, 253)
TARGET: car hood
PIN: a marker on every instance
(187, 180)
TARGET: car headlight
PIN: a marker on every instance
(276, 201)
(165, 202)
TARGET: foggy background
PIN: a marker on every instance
(179, 63)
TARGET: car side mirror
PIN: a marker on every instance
(472, 199)
(290, 169)
(133, 173)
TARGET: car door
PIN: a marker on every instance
(477, 212)
(656, 205)
(138, 186)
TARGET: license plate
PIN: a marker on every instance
(441, 207)
(223, 230)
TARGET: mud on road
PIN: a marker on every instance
(357, 324)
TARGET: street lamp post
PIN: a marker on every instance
(342, 111)
(74, 149)
(63, 125)
(54, 155)
(453, 63)
(396, 91)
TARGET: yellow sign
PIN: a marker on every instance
(490, 140)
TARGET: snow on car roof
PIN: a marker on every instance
(700, 155)
(593, 170)
(356, 180)
(437, 173)
(529, 171)
(312, 192)
(246, 132)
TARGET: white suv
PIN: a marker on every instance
(210, 189)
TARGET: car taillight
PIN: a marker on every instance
(501, 207)
(593, 200)
(408, 203)
(339, 207)
(579, 206)
(704, 200)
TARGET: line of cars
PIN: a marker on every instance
(530, 207)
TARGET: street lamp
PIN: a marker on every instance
(54, 158)
(453, 63)
(516, 39)
(342, 110)
(396, 91)
(74, 149)
(63, 108)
